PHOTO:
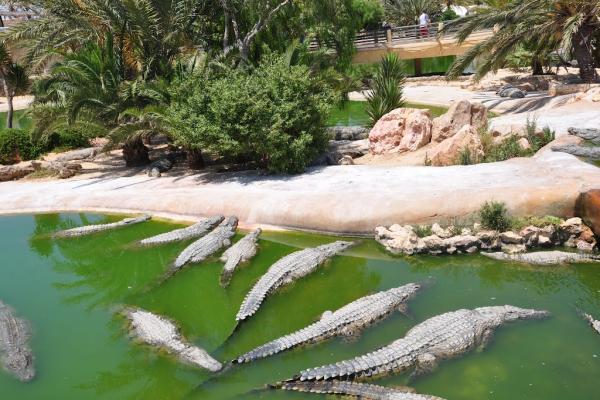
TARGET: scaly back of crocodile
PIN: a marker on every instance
(443, 336)
(360, 390)
(207, 245)
(286, 270)
(15, 355)
(355, 315)
(90, 229)
(240, 252)
(200, 228)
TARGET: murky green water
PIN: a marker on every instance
(354, 113)
(70, 290)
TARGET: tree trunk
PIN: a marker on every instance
(194, 159)
(583, 52)
(536, 66)
(418, 68)
(135, 152)
(10, 112)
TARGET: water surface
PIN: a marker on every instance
(71, 291)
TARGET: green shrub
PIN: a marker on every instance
(540, 222)
(510, 148)
(16, 145)
(273, 116)
(494, 216)
(423, 230)
(68, 138)
(465, 157)
(387, 88)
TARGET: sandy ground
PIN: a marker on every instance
(340, 199)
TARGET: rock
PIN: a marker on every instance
(526, 87)
(161, 165)
(489, 240)
(511, 238)
(66, 173)
(513, 248)
(572, 226)
(548, 236)
(463, 242)
(340, 148)
(348, 132)
(524, 144)
(587, 235)
(448, 152)
(584, 246)
(459, 114)
(476, 227)
(16, 171)
(472, 249)
(401, 130)
(399, 239)
(511, 92)
(544, 241)
(588, 208)
(434, 244)
(530, 235)
(346, 160)
(154, 173)
(437, 230)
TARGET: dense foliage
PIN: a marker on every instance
(494, 215)
(16, 145)
(273, 115)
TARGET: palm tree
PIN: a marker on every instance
(545, 25)
(406, 12)
(15, 81)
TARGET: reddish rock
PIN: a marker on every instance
(401, 130)
(447, 152)
(588, 208)
(459, 114)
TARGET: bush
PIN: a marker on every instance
(495, 216)
(386, 89)
(16, 145)
(510, 148)
(274, 115)
(68, 138)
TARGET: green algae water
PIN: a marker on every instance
(72, 289)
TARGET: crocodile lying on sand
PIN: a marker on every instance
(360, 390)
(594, 323)
(158, 331)
(545, 257)
(89, 229)
(444, 336)
(15, 354)
(347, 321)
(240, 252)
(287, 270)
(200, 228)
(206, 246)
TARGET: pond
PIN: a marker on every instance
(71, 289)
(354, 113)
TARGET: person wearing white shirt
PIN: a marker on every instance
(424, 22)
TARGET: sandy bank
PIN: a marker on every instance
(344, 199)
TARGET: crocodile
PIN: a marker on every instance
(441, 337)
(354, 389)
(545, 257)
(240, 252)
(158, 331)
(347, 321)
(595, 324)
(206, 246)
(90, 229)
(285, 271)
(199, 229)
(15, 354)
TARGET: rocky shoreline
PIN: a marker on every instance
(404, 239)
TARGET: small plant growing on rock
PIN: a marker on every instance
(494, 215)
(423, 230)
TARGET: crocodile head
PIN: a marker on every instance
(509, 313)
(406, 292)
(21, 363)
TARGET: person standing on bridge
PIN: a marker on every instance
(424, 22)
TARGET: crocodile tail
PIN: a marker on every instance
(230, 265)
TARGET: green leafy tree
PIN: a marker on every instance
(544, 25)
(272, 116)
(15, 81)
(407, 12)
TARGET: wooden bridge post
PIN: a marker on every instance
(388, 35)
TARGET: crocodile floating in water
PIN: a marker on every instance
(347, 321)
(240, 252)
(360, 390)
(444, 336)
(545, 257)
(285, 271)
(594, 323)
(200, 228)
(206, 246)
(158, 331)
(15, 355)
(89, 229)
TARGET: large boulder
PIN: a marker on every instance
(459, 114)
(401, 130)
(448, 152)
